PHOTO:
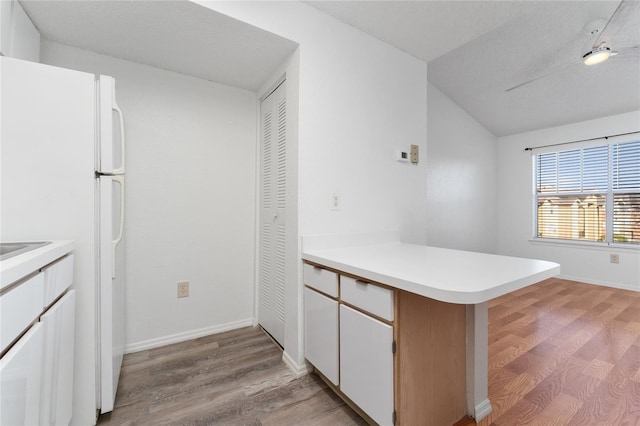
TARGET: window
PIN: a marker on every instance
(589, 194)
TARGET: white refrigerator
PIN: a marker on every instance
(62, 156)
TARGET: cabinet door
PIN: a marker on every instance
(20, 370)
(57, 376)
(19, 307)
(321, 333)
(366, 363)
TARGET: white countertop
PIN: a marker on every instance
(17, 267)
(452, 276)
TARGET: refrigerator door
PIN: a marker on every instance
(111, 150)
(112, 286)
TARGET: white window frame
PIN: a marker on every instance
(609, 239)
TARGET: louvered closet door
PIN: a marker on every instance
(272, 245)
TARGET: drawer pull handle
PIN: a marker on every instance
(362, 282)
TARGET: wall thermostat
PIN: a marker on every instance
(410, 156)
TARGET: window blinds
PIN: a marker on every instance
(590, 194)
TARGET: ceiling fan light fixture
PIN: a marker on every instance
(597, 55)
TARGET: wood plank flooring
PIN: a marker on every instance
(232, 378)
(564, 353)
(560, 353)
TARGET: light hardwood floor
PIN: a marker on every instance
(564, 353)
(560, 353)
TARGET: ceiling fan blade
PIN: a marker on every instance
(625, 9)
(545, 74)
(627, 53)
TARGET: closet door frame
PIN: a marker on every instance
(272, 246)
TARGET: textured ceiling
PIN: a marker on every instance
(425, 29)
(477, 49)
(477, 74)
(178, 36)
(474, 49)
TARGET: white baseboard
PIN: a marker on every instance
(187, 335)
(598, 282)
(482, 410)
(297, 369)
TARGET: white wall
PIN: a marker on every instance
(190, 198)
(582, 263)
(19, 38)
(359, 101)
(462, 163)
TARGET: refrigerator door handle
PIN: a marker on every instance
(114, 243)
(116, 108)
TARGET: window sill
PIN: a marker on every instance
(586, 245)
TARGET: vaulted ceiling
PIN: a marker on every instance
(475, 50)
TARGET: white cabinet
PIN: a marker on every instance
(57, 278)
(349, 338)
(38, 335)
(321, 320)
(19, 307)
(366, 363)
(395, 348)
(57, 375)
(20, 379)
(321, 333)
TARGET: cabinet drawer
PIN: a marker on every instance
(321, 279)
(19, 307)
(368, 297)
(57, 278)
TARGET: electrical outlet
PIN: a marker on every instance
(183, 288)
(614, 258)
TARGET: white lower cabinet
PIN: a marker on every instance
(20, 370)
(19, 307)
(321, 333)
(57, 375)
(347, 344)
(38, 335)
(366, 364)
(388, 385)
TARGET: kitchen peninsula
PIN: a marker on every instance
(428, 304)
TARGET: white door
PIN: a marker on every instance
(321, 333)
(366, 363)
(273, 231)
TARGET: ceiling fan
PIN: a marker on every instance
(601, 33)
